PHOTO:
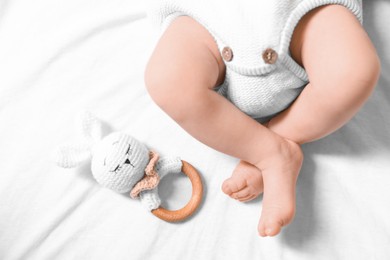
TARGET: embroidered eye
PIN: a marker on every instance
(128, 150)
(117, 168)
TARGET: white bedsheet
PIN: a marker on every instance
(58, 57)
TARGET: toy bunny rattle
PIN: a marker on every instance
(123, 164)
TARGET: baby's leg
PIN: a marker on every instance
(343, 69)
(183, 70)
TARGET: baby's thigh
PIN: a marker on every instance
(186, 58)
(334, 49)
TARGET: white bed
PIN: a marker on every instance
(58, 57)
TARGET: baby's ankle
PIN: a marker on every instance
(281, 150)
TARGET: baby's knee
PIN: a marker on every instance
(166, 87)
(373, 70)
(357, 76)
(157, 84)
(363, 76)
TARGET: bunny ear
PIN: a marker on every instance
(69, 156)
(91, 127)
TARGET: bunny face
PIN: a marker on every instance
(119, 161)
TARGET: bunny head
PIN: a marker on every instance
(118, 162)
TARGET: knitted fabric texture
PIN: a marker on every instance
(166, 165)
(69, 156)
(151, 178)
(119, 161)
(249, 28)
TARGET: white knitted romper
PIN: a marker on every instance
(253, 37)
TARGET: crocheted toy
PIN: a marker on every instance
(123, 164)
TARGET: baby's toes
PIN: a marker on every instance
(230, 186)
(269, 228)
(248, 198)
(245, 194)
(273, 219)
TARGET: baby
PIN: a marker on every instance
(256, 79)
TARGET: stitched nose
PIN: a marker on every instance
(128, 162)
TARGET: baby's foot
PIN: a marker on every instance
(280, 173)
(245, 184)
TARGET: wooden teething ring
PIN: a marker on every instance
(192, 205)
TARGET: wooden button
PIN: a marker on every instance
(227, 54)
(270, 56)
